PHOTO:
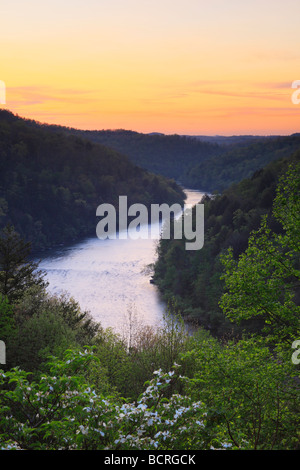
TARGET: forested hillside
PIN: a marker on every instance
(51, 183)
(169, 155)
(239, 162)
(193, 278)
(205, 163)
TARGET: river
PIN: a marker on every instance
(109, 277)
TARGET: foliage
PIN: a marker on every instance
(17, 273)
(61, 411)
(265, 280)
(131, 358)
(234, 397)
(248, 390)
(45, 324)
(7, 321)
(33, 323)
(193, 278)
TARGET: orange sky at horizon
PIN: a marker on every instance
(185, 67)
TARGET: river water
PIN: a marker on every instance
(109, 277)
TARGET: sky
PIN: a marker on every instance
(193, 67)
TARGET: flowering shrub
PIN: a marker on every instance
(60, 411)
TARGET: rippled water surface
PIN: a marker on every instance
(108, 277)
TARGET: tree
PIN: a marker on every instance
(17, 273)
(249, 393)
(265, 280)
(7, 323)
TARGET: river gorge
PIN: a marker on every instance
(110, 278)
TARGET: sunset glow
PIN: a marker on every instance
(186, 67)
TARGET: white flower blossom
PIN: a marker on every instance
(83, 429)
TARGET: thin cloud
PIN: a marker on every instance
(244, 94)
(275, 85)
(36, 95)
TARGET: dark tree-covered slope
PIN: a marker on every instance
(209, 164)
(239, 162)
(168, 155)
(51, 183)
(203, 162)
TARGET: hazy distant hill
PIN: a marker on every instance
(232, 139)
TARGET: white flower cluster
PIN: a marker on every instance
(151, 415)
(75, 416)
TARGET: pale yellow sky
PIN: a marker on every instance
(195, 67)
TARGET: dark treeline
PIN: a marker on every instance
(51, 183)
(193, 278)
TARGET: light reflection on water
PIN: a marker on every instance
(108, 277)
